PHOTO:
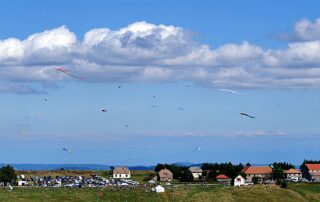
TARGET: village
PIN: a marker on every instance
(169, 176)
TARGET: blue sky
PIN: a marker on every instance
(183, 53)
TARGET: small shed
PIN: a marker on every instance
(223, 179)
(239, 181)
(159, 189)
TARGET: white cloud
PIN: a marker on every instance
(307, 30)
(147, 52)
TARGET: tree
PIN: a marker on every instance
(186, 176)
(277, 172)
(244, 175)
(8, 174)
(255, 180)
(212, 174)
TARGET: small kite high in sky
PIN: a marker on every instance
(104, 109)
(68, 73)
(198, 148)
(46, 99)
(245, 114)
(66, 150)
(230, 91)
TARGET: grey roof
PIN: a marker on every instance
(195, 170)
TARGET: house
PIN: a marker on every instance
(223, 179)
(313, 172)
(196, 172)
(263, 172)
(121, 172)
(292, 174)
(165, 175)
(159, 189)
(239, 181)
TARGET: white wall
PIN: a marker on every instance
(121, 175)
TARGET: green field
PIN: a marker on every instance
(295, 192)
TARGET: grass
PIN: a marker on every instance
(260, 193)
(269, 193)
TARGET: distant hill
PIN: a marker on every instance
(95, 166)
(71, 167)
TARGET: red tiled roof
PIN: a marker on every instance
(313, 166)
(292, 171)
(257, 170)
(222, 176)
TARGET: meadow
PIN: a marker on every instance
(295, 192)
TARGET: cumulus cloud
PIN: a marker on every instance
(144, 52)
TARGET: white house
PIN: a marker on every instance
(293, 174)
(239, 181)
(22, 182)
(196, 172)
(159, 189)
(121, 172)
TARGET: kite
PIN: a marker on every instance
(245, 114)
(66, 150)
(67, 72)
(154, 96)
(127, 126)
(119, 86)
(181, 108)
(46, 99)
(230, 91)
(198, 148)
(188, 85)
(104, 109)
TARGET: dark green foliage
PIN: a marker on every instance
(283, 165)
(244, 175)
(284, 184)
(8, 174)
(277, 171)
(255, 180)
(212, 174)
(228, 169)
(186, 176)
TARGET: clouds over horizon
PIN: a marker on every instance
(145, 52)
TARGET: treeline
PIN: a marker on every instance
(212, 170)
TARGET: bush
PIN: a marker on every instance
(255, 180)
(284, 184)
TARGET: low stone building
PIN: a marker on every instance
(292, 174)
(121, 172)
(196, 172)
(313, 172)
(223, 179)
(262, 172)
(165, 175)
